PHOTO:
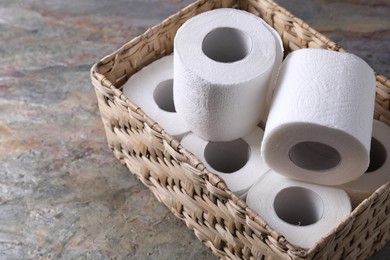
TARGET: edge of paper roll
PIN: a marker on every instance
(336, 207)
(254, 169)
(140, 90)
(364, 186)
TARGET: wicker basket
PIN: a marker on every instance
(179, 180)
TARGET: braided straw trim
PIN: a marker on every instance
(179, 180)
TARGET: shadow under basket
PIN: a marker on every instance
(220, 219)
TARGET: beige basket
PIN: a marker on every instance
(179, 180)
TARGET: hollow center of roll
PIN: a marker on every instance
(226, 44)
(298, 206)
(227, 157)
(314, 156)
(163, 95)
(378, 155)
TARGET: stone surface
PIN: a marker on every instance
(63, 195)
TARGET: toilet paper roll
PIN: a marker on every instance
(237, 162)
(378, 172)
(152, 89)
(224, 61)
(302, 212)
(320, 122)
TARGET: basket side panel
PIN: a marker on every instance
(366, 231)
(203, 206)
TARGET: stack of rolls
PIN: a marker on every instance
(320, 148)
(225, 64)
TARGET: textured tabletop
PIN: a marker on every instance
(63, 195)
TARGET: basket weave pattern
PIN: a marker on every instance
(198, 197)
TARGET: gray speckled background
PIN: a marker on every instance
(63, 195)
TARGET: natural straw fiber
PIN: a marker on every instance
(221, 220)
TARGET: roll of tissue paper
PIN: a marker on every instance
(237, 162)
(223, 64)
(302, 212)
(378, 173)
(152, 89)
(320, 122)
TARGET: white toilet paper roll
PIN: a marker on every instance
(224, 60)
(320, 123)
(237, 162)
(378, 173)
(302, 212)
(152, 89)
